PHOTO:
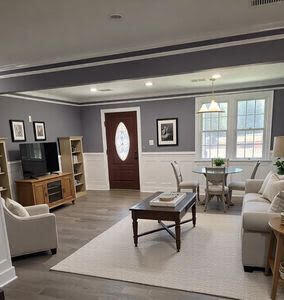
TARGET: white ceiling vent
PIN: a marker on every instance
(105, 90)
(198, 80)
(256, 3)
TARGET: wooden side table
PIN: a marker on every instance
(273, 261)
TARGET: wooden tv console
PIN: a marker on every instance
(53, 190)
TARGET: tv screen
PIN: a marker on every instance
(39, 159)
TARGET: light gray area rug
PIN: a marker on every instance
(209, 261)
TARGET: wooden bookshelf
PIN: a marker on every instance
(71, 149)
(5, 188)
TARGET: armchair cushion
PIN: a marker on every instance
(16, 208)
(37, 209)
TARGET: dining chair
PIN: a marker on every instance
(182, 184)
(240, 185)
(215, 186)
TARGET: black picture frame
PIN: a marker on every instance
(39, 123)
(15, 138)
(172, 139)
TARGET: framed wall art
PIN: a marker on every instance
(167, 132)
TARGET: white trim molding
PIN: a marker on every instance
(7, 271)
(117, 110)
(232, 102)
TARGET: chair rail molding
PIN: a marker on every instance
(7, 271)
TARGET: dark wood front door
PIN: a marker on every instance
(122, 150)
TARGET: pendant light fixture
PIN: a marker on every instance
(214, 106)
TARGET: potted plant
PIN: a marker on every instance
(219, 162)
(280, 166)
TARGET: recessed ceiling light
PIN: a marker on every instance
(216, 76)
(149, 83)
(116, 16)
(93, 89)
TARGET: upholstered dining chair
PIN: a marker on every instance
(182, 184)
(240, 185)
(215, 186)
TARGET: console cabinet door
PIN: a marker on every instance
(67, 187)
(40, 192)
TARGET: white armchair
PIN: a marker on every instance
(32, 234)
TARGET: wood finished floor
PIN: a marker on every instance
(77, 225)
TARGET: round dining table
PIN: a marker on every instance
(228, 170)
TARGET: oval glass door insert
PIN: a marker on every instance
(122, 141)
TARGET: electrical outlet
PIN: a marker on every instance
(30, 119)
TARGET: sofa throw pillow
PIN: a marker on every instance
(273, 187)
(265, 182)
(16, 208)
(277, 205)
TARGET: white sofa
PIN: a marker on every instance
(32, 234)
(255, 228)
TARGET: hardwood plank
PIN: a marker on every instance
(77, 225)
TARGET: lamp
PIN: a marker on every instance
(278, 151)
(214, 106)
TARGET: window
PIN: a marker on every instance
(214, 133)
(122, 141)
(242, 131)
(250, 128)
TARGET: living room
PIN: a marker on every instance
(94, 137)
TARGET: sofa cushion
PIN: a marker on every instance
(256, 216)
(16, 208)
(277, 205)
(273, 187)
(265, 182)
(254, 197)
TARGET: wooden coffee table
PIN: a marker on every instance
(144, 210)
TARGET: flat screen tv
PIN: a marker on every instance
(39, 159)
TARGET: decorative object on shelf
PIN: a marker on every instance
(219, 162)
(39, 131)
(214, 106)
(167, 132)
(18, 132)
(282, 218)
(278, 151)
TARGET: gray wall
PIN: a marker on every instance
(278, 115)
(183, 109)
(60, 120)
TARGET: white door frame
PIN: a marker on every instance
(139, 140)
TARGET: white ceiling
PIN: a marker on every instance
(236, 77)
(36, 32)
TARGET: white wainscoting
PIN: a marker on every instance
(95, 171)
(157, 173)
